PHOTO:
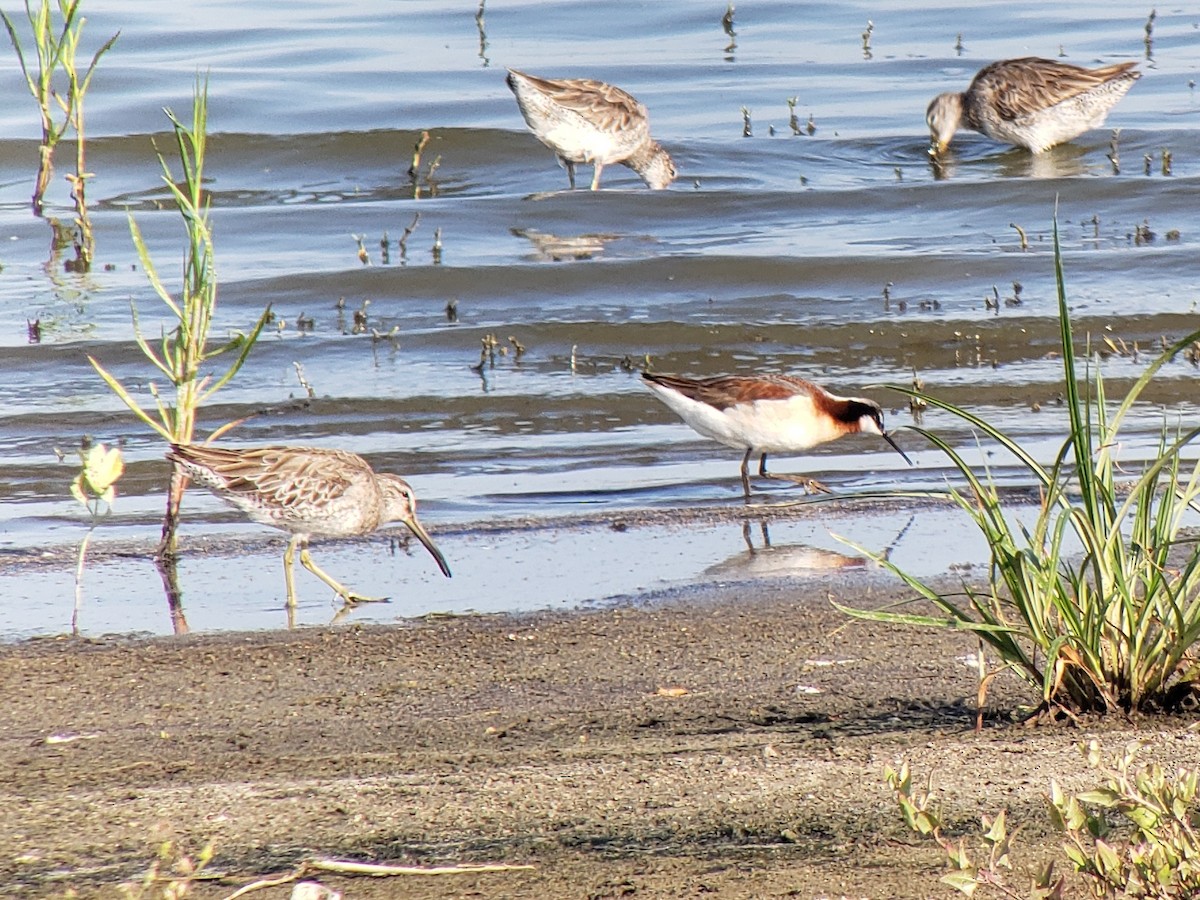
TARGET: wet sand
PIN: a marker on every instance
(727, 741)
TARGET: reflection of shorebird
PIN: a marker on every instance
(1033, 103)
(587, 121)
(771, 561)
(307, 491)
(767, 414)
(557, 247)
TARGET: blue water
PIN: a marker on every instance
(769, 253)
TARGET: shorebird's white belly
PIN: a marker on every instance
(1046, 128)
(766, 426)
(1043, 132)
(580, 141)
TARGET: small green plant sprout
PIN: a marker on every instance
(55, 52)
(1096, 605)
(172, 874)
(921, 812)
(1133, 836)
(183, 351)
(1160, 857)
(95, 488)
(414, 170)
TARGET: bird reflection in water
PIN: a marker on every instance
(779, 561)
(556, 248)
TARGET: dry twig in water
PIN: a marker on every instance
(415, 169)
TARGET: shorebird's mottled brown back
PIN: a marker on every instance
(298, 489)
(604, 105)
(1013, 87)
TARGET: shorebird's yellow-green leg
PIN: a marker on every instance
(289, 558)
(342, 591)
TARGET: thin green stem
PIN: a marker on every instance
(83, 548)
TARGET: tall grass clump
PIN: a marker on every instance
(181, 352)
(57, 51)
(1097, 605)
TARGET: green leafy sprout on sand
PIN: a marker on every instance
(1097, 606)
(171, 876)
(1135, 835)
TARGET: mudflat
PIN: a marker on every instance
(728, 742)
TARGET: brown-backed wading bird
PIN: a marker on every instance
(587, 121)
(308, 491)
(1030, 102)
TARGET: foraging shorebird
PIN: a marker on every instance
(767, 414)
(1033, 103)
(307, 491)
(587, 121)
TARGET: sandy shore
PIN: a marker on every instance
(728, 742)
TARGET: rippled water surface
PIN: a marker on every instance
(771, 252)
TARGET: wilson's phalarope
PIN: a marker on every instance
(767, 414)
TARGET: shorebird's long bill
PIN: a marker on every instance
(887, 437)
(423, 536)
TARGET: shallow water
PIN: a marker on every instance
(770, 253)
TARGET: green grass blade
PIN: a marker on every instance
(117, 388)
(148, 267)
(247, 344)
(973, 420)
(950, 621)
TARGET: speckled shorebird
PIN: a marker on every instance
(767, 414)
(587, 121)
(307, 491)
(1033, 103)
